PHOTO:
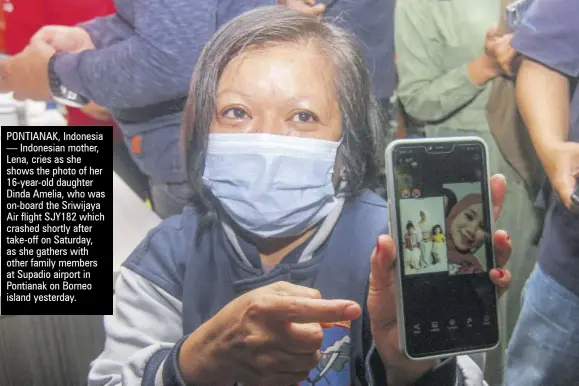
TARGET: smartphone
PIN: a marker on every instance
(441, 220)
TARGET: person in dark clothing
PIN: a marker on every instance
(279, 131)
(138, 63)
(544, 346)
(23, 19)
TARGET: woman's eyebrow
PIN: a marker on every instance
(471, 212)
(232, 92)
(304, 102)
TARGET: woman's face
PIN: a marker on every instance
(436, 230)
(467, 228)
(285, 89)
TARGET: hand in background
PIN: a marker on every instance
(307, 7)
(61, 38)
(26, 74)
(491, 37)
(563, 171)
(486, 67)
(499, 48)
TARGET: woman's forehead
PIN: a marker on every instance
(476, 206)
(289, 68)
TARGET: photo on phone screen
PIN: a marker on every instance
(441, 208)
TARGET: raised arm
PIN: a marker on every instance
(108, 30)
(543, 98)
(551, 50)
(153, 65)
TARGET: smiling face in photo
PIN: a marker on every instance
(467, 228)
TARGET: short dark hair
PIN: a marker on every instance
(361, 117)
(409, 225)
(435, 227)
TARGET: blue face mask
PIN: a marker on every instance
(272, 185)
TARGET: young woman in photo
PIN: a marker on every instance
(466, 234)
(424, 231)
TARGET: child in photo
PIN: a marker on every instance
(411, 247)
(438, 241)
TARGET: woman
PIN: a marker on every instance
(466, 234)
(424, 225)
(424, 229)
(279, 136)
(438, 242)
(448, 54)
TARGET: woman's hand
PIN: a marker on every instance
(382, 296)
(495, 60)
(269, 336)
(562, 167)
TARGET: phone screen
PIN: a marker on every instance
(445, 247)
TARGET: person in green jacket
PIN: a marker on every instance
(448, 54)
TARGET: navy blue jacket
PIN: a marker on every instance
(175, 281)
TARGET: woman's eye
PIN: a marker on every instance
(469, 216)
(235, 113)
(304, 117)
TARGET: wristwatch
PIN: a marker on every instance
(60, 93)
